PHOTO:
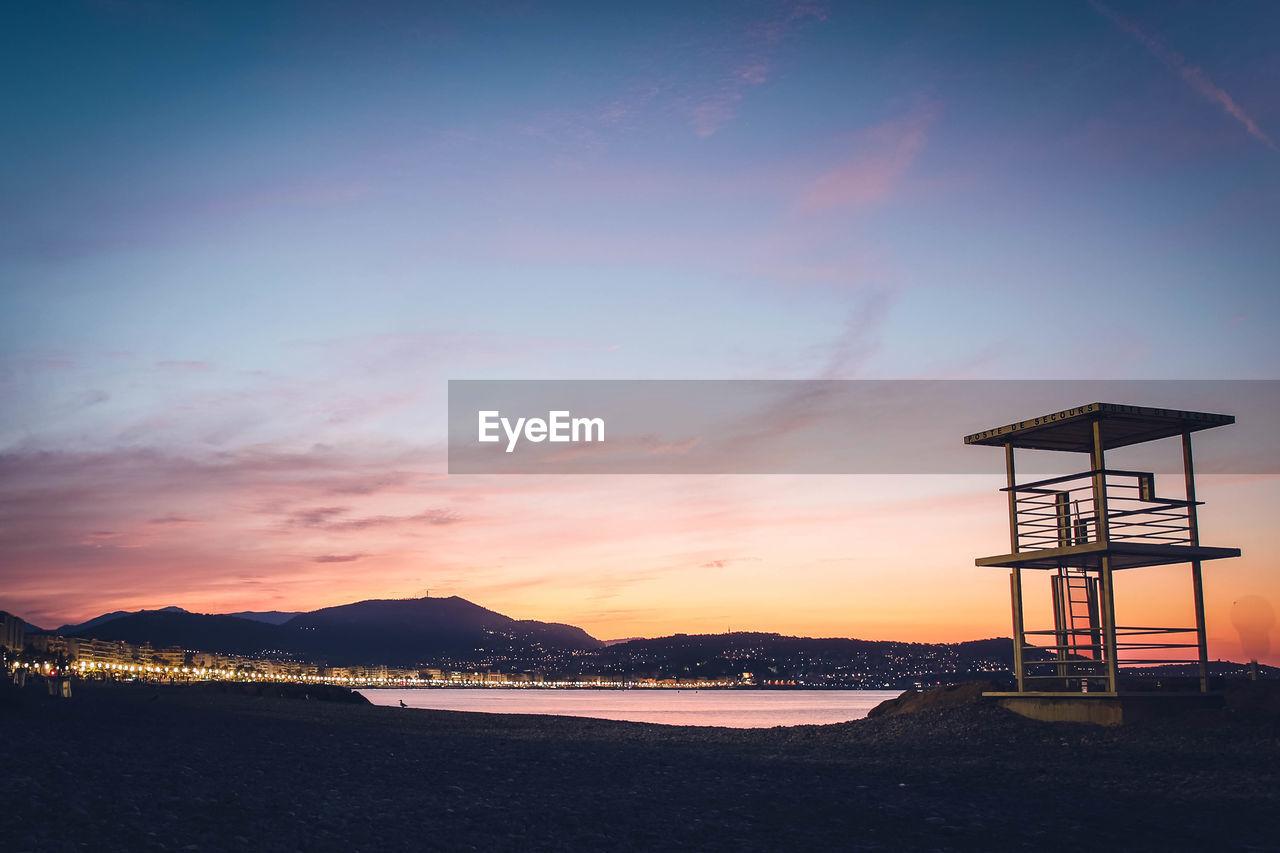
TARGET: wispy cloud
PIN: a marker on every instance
(716, 110)
(336, 558)
(1190, 74)
(861, 338)
(881, 156)
(317, 517)
(190, 366)
(724, 562)
(327, 518)
(738, 59)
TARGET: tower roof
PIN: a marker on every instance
(1071, 429)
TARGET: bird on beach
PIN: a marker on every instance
(402, 705)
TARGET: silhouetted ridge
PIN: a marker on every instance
(779, 658)
(192, 631)
(396, 632)
(271, 617)
(74, 629)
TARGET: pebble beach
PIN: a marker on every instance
(138, 767)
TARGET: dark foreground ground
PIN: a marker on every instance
(145, 768)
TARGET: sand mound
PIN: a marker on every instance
(951, 696)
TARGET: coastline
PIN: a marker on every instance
(147, 768)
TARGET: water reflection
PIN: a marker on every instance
(748, 709)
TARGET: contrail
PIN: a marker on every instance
(1191, 75)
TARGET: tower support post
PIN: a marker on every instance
(1011, 481)
(1098, 463)
(1015, 590)
(1109, 625)
(1197, 576)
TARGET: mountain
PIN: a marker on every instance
(397, 632)
(192, 631)
(72, 630)
(271, 617)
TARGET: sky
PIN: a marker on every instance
(243, 248)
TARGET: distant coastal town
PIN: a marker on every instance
(734, 660)
(51, 655)
(682, 662)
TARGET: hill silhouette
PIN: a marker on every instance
(272, 617)
(775, 657)
(408, 630)
(192, 631)
(397, 632)
(73, 629)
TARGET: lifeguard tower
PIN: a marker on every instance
(1081, 529)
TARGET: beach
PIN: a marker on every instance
(168, 768)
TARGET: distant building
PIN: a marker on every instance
(54, 644)
(169, 656)
(102, 652)
(13, 631)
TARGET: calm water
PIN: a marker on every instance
(746, 709)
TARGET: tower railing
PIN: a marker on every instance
(1061, 512)
(1076, 661)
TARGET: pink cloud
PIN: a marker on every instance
(883, 156)
(713, 113)
(90, 532)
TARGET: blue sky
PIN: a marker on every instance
(216, 183)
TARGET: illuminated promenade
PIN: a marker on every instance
(53, 656)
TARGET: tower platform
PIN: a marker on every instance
(1124, 555)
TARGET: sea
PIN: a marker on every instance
(734, 708)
